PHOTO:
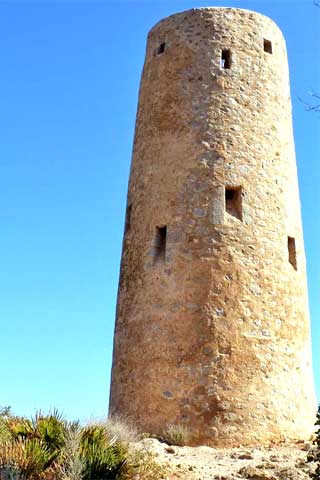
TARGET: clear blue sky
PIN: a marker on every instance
(69, 82)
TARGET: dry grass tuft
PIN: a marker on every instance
(176, 434)
(121, 430)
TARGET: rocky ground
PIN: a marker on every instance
(282, 462)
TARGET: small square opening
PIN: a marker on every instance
(267, 45)
(128, 218)
(160, 244)
(292, 253)
(226, 59)
(233, 199)
(161, 48)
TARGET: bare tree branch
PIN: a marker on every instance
(312, 105)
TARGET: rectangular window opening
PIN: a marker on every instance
(160, 244)
(292, 253)
(225, 59)
(161, 48)
(128, 218)
(267, 45)
(233, 198)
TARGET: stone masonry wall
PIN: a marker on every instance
(212, 326)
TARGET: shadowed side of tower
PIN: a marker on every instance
(212, 327)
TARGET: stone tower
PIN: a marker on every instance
(212, 326)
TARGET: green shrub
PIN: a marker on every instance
(47, 447)
(314, 456)
(5, 415)
(143, 466)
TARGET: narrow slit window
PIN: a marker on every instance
(267, 45)
(160, 244)
(128, 218)
(226, 59)
(233, 198)
(292, 253)
(161, 48)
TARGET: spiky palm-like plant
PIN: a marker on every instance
(104, 457)
(24, 459)
(49, 429)
(33, 446)
(49, 448)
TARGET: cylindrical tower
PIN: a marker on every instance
(212, 326)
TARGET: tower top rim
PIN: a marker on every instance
(211, 9)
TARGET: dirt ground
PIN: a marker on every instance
(281, 462)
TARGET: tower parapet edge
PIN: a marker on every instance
(212, 327)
